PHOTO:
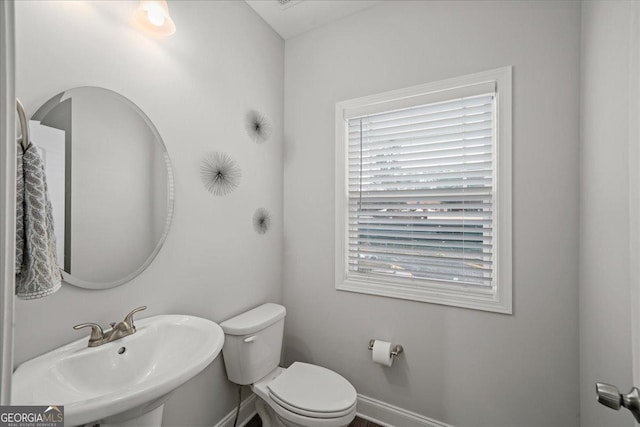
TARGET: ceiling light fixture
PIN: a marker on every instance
(286, 4)
(153, 16)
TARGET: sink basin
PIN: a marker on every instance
(133, 372)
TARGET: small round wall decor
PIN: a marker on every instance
(220, 174)
(261, 221)
(258, 126)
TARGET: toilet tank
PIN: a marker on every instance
(253, 343)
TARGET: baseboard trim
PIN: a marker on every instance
(247, 411)
(374, 410)
(388, 415)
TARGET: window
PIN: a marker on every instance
(423, 193)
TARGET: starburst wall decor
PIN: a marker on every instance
(258, 126)
(220, 174)
(261, 221)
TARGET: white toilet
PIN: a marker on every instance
(301, 395)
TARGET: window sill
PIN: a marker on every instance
(464, 296)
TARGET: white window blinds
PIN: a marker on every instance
(420, 192)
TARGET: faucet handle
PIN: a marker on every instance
(129, 317)
(96, 331)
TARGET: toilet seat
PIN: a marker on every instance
(301, 420)
(313, 391)
(311, 414)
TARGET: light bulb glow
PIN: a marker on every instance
(153, 17)
(155, 14)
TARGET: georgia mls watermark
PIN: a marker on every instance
(31, 416)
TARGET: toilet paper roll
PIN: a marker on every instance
(382, 353)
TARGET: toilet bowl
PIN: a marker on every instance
(304, 394)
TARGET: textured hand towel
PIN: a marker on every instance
(37, 271)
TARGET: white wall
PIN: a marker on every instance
(463, 367)
(605, 311)
(222, 61)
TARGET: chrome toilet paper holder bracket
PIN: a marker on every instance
(397, 349)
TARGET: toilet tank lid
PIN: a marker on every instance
(254, 320)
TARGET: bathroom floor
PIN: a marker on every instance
(358, 422)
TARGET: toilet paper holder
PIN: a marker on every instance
(397, 349)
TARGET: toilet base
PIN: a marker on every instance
(268, 417)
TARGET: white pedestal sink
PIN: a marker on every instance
(122, 382)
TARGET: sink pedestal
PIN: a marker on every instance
(149, 415)
(150, 419)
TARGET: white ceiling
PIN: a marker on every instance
(299, 16)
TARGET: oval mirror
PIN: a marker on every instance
(110, 184)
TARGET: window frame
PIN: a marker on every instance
(497, 298)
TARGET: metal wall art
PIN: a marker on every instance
(220, 174)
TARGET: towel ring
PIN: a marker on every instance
(24, 125)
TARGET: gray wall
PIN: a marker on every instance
(196, 87)
(463, 367)
(605, 311)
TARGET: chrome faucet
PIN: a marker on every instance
(117, 331)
